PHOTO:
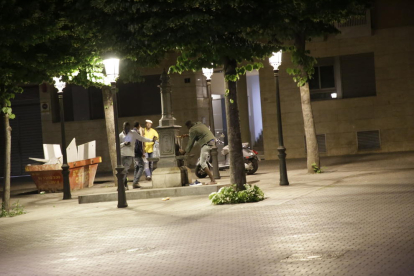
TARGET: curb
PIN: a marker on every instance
(153, 193)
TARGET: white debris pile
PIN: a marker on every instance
(53, 153)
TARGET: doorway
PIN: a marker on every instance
(255, 110)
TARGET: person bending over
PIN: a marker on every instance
(199, 132)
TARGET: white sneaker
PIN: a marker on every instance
(196, 183)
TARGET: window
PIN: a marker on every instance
(139, 99)
(340, 77)
(323, 84)
(358, 75)
(96, 107)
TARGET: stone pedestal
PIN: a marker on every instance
(167, 139)
(166, 177)
(168, 173)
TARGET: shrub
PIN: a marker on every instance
(16, 210)
(229, 195)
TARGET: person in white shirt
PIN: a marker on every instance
(127, 139)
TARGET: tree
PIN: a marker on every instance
(36, 44)
(304, 20)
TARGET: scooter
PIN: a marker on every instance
(251, 159)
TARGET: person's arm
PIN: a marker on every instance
(121, 139)
(191, 141)
(156, 134)
(142, 139)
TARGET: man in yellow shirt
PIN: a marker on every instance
(149, 147)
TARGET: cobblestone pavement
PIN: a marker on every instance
(354, 219)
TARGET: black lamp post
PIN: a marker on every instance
(112, 72)
(208, 72)
(276, 61)
(65, 167)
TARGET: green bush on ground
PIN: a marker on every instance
(16, 210)
(229, 195)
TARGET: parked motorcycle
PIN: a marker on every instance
(251, 159)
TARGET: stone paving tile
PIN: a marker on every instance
(365, 217)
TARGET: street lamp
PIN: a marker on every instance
(112, 73)
(208, 72)
(276, 61)
(59, 84)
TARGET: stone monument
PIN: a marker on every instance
(168, 173)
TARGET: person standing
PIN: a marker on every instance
(138, 159)
(200, 133)
(149, 132)
(127, 138)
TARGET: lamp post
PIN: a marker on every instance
(276, 61)
(112, 73)
(59, 84)
(208, 72)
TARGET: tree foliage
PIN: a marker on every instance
(47, 38)
(36, 44)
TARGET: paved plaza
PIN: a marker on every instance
(357, 218)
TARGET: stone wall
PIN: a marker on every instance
(390, 111)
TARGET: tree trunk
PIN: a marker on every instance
(237, 171)
(310, 132)
(110, 131)
(7, 167)
(308, 123)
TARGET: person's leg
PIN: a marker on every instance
(146, 167)
(139, 169)
(136, 170)
(126, 163)
(150, 164)
(204, 155)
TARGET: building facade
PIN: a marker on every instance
(362, 93)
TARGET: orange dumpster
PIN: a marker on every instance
(49, 178)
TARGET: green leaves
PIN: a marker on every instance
(229, 195)
(304, 69)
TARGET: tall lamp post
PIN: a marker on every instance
(59, 84)
(276, 61)
(112, 73)
(208, 72)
